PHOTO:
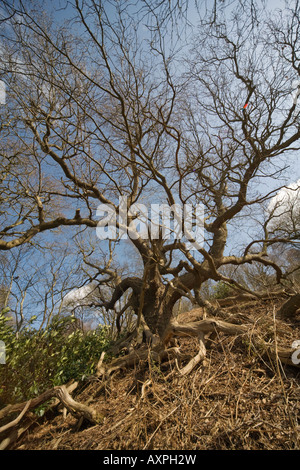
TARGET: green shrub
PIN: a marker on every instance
(38, 360)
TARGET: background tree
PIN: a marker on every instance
(117, 108)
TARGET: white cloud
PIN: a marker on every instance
(284, 209)
(81, 296)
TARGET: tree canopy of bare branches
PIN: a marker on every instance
(105, 106)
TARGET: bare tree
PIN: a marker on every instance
(36, 281)
(111, 110)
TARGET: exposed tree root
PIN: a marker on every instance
(196, 359)
(77, 409)
(205, 330)
(208, 325)
(144, 353)
(245, 297)
(274, 353)
(17, 432)
(17, 420)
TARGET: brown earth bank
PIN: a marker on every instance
(237, 398)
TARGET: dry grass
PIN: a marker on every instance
(234, 400)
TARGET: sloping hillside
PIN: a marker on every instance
(237, 398)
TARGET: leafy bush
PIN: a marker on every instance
(38, 360)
